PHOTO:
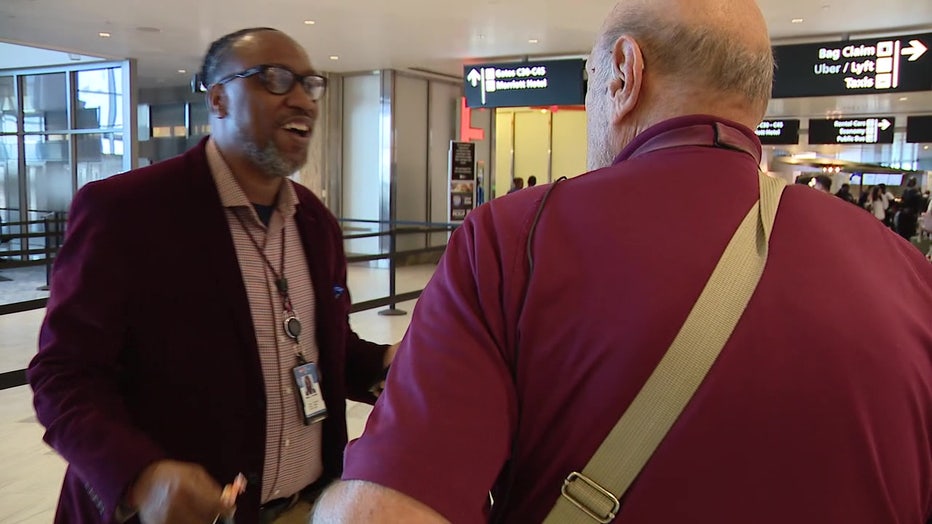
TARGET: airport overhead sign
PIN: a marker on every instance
(852, 131)
(854, 67)
(919, 129)
(778, 132)
(517, 84)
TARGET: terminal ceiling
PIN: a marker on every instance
(168, 36)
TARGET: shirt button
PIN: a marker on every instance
(288, 390)
(287, 442)
(278, 492)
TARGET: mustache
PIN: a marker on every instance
(298, 113)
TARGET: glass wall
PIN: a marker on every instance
(543, 143)
(60, 128)
(171, 121)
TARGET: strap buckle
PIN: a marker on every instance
(590, 497)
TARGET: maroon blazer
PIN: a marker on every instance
(148, 352)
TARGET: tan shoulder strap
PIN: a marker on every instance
(594, 493)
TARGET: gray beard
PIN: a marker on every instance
(600, 157)
(270, 160)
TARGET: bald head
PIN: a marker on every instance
(659, 59)
(717, 48)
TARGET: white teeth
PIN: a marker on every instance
(297, 126)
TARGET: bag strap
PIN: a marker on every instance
(594, 493)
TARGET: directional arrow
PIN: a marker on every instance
(475, 77)
(915, 50)
(884, 124)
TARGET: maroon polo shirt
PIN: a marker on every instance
(819, 408)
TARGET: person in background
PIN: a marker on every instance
(909, 209)
(864, 196)
(875, 203)
(145, 330)
(551, 308)
(821, 183)
(889, 204)
(845, 194)
(516, 185)
(531, 181)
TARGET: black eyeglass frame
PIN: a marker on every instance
(262, 71)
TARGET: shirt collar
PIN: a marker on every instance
(232, 195)
(701, 130)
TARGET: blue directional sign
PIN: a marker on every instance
(778, 132)
(852, 131)
(517, 84)
(854, 67)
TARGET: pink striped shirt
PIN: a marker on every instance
(292, 450)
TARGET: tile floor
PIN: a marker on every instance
(31, 473)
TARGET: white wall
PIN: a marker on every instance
(411, 142)
(361, 146)
(523, 139)
(444, 100)
(14, 56)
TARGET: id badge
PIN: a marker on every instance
(310, 399)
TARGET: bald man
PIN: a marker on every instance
(552, 307)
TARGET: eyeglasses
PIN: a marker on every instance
(280, 80)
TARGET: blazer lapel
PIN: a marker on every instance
(315, 250)
(209, 221)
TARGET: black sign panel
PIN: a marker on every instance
(880, 65)
(852, 131)
(462, 180)
(778, 132)
(516, 84)
(919, 129)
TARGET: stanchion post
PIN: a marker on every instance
(47, 222)
(392, 311)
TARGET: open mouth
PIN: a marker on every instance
(298, 128)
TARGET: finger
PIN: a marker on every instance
(239, 484)
(228, 496)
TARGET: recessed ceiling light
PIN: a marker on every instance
(309, 22)
(904, 98)
(334, 57)
(797, 20)
(103, 34)
(925, 147)
(182, 71)
(533, 41)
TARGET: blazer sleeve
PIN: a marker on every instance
(76, 375)
(363, 358)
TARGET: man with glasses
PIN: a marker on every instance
(191, 303)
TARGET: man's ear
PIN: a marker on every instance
(217, 101)
(627, 77)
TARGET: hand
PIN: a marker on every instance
(390, 354)
(177, 493)
(379, 386)
(228, 498)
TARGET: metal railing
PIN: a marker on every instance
(54, 233)
(396, 228)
